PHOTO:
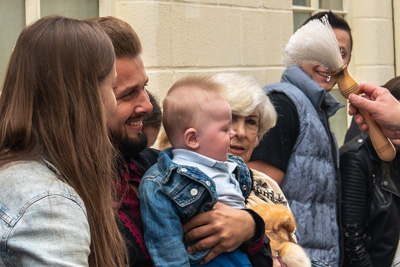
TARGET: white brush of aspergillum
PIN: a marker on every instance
(316, 43)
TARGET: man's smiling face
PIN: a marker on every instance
(125, 125)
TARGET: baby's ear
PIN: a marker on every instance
(190, 137)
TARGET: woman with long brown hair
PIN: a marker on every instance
(55, 154)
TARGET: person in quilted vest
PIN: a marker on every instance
(301, 152)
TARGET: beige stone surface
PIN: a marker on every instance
(371, 8)
(378, 75)
(374, 42)
(181, 37)
(278, 4)
(241, 3)
(206, 36)
(373, 52)
(152, 22)
(264, 45)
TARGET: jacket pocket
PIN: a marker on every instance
(192, 198)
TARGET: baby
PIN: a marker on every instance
(194, 174)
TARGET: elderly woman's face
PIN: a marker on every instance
(246, 138)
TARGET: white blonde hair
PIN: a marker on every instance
(244, 95)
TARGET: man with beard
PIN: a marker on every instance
(223, 228)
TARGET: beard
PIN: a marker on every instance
(129, 146)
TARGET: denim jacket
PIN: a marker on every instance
(170, 195)
(43, 221)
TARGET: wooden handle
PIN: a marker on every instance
(347, 85)
(383, 146)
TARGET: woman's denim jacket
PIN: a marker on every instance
(43, 221)
(170, 195)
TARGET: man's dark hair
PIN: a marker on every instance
(124, 38)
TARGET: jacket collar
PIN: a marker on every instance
(319, 97)
(166, 166)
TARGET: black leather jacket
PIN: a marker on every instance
(370, 205)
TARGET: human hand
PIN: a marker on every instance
(381, 105)
(223, 229)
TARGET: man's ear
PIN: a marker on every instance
(190, 137)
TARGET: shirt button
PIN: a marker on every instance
(184, 170)
(244, 187)
(193, 191)
(359, 140)
(208, 183)
(385, 183)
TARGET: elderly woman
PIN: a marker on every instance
(253, 115)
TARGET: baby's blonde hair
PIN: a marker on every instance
(185, 102)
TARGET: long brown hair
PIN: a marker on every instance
(50, 108)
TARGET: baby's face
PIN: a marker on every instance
(214, 130)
